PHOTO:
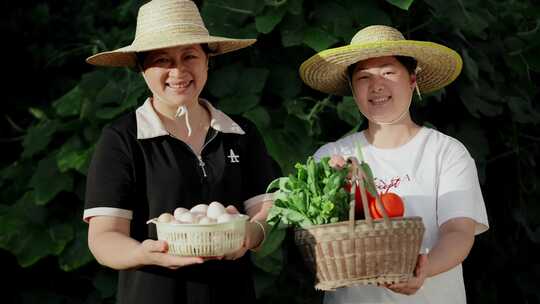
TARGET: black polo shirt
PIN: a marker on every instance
(139, 171)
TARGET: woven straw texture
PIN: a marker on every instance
(362, 252)
(377, 255)
(203, 240)
(326, 71)
(163, 24)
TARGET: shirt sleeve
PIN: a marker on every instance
(110, 182)
(328, 149)
(261, 169)
(459, 193)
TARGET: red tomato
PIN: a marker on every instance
(393, 205)
(373, 211)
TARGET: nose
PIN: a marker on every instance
(376, 84)
(177, 68)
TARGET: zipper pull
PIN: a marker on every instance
(202, 164)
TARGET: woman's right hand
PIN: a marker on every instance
(155, 253)
(111, 245)
(337, 161)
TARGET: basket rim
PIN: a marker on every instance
(359, 222)
(242, 218)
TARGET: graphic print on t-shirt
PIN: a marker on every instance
(384, 186)
(233, 158)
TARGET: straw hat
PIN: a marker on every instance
(163, 24)
(327, 70)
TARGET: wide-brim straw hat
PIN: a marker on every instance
(326, 71)
(167, 23)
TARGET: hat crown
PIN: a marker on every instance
(163, 18)
(377, 33)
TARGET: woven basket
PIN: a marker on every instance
(382, 251)
(203, 239)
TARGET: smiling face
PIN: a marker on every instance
(176, 74)
(383, 89)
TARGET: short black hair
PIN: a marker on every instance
(408, 62)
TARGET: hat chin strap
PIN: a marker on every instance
(392, 122)
(182, 110)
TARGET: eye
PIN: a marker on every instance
(161, 60)
(388, 72)
(190, 56)
(362, 77)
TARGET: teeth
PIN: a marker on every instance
(179, 85)
(380, 100)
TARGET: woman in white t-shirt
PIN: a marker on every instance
(433, 173)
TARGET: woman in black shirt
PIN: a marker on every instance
(176, 150)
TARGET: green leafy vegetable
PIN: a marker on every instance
(314, 195)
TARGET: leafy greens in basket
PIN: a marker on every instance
(314, 195)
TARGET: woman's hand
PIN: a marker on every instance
(155, 253)
(337, 161)
(109, 241)
(415, 283)
(253, 237)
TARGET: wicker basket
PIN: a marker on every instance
(362, 252)
(203, 239)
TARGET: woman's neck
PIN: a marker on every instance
(198, 115)
(391, 136)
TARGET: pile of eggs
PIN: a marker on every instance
(200, 214)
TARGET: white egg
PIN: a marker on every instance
(198, 216)
(165, 218)
(225, 217)
(175, 222)
(187, 218)
(207, 220)
(179, 211)
(199, 208)
(215, 209)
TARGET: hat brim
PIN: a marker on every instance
(327, 70)
(125, 56)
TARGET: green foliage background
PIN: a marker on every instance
(55, 106)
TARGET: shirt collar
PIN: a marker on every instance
(149, 125)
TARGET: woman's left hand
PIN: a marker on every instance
(415, 283)
(252, 239)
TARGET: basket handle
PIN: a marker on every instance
(357, 179)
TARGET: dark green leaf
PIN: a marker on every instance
(403, 4)
(76, 253)
(27, 235)
(223, 82)
(272, 16)
(348, 111)
(110, 95)
(238, 104)
(292, 30)
(259, 116)
(38, 137)
(471, 68)
(318, 39)
(70, 103)
(251, 80)
(47, 181)
(284, 82)
(523, 110)
(73, 156)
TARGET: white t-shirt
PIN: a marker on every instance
(437, 179)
